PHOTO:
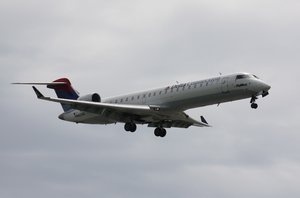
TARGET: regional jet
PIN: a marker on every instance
(159, 108)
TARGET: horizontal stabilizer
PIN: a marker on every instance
(41, 83)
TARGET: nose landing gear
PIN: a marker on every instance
(253, 104)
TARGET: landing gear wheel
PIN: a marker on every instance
(254, 106)
(163, 132)
(129, 126)
(160, 132)
(157, 132)
(133, 127)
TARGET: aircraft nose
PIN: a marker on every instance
(266, 87)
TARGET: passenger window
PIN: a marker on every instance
(149, 95)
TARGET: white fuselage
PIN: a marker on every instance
(181, 97)
(195, 94)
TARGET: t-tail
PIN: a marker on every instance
(62, 87)
(64, 90)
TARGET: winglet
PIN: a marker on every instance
(37, 92)
(203, 120)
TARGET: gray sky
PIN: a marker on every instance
(114, 47)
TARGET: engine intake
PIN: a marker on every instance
(91, 98)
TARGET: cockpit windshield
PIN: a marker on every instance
(244, 76)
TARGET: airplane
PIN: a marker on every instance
(159, 108)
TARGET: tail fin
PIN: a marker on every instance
(65, 91)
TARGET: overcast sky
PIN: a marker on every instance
(115, 47)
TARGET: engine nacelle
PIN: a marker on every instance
(91, 97)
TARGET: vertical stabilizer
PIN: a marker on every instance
(65, 91)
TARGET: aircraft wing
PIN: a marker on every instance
(141, 114)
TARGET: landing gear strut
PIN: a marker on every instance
(130, 126)
(160, 132)
(253, 104)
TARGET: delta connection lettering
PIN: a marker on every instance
(190, 84)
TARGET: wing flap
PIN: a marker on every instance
(178, 120)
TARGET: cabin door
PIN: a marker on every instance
(224, 85)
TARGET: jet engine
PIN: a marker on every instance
(91, 98)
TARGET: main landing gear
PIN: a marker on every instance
(160, 132)
(130, 126)
(253, 104)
